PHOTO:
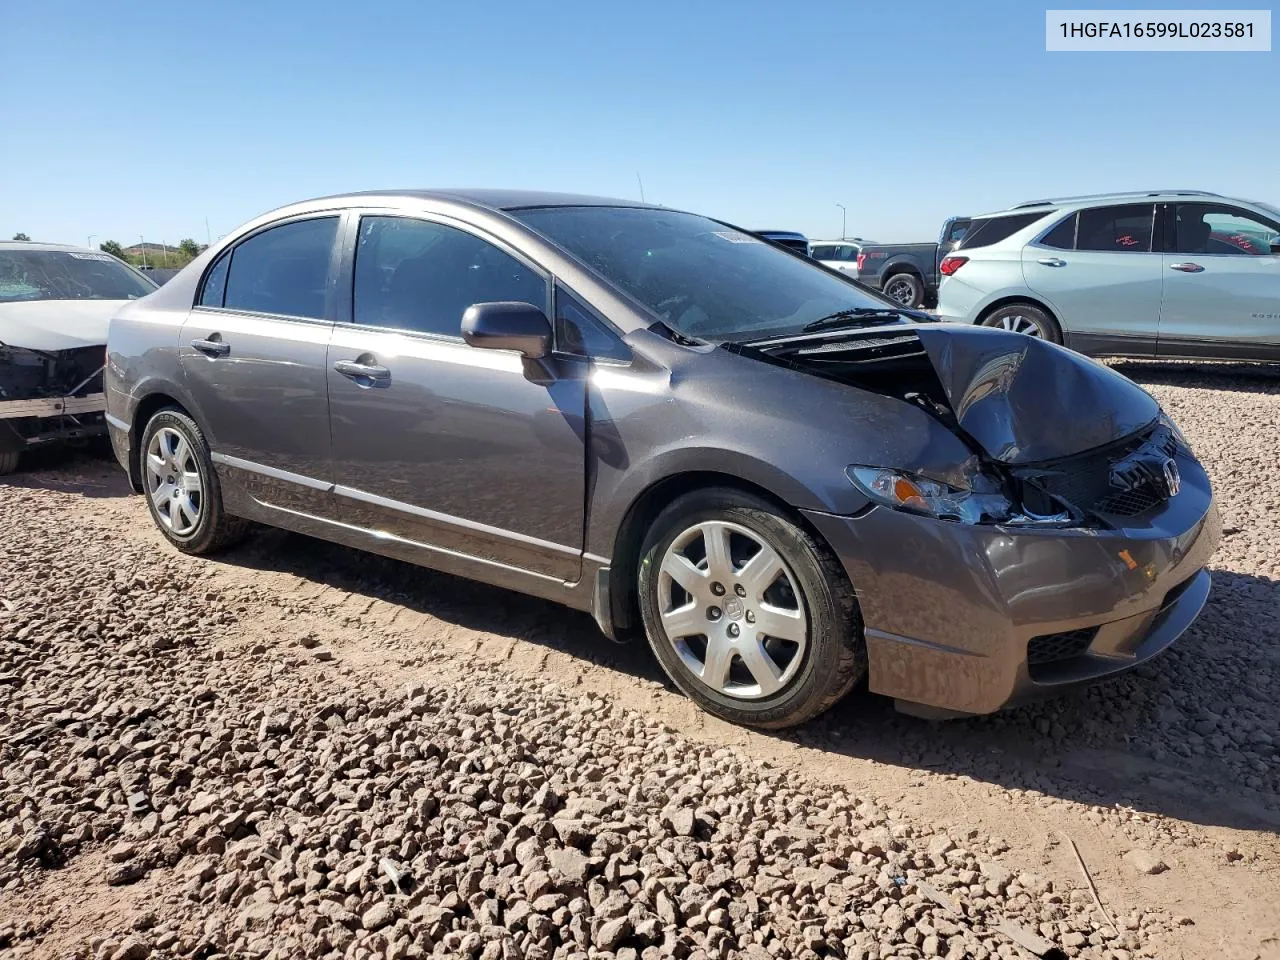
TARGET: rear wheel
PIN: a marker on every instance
(905, 288)
(749, 615)
(1024, 318)
(182, 491)
(9, 462)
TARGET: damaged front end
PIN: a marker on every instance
(50, 396)
(1057, 440)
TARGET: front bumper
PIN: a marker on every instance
(37, 421)
(951, 611)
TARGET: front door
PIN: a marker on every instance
(253, 351)
(451, 447)
(1098, 272)
(1221, 285)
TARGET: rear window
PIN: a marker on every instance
(67, 275)
(985, 231)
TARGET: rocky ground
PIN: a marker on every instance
(299, 751)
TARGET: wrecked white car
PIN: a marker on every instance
(55, 303)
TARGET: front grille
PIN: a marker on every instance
(1085, 482)
(1052, 647)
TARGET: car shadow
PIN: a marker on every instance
(1138, 741)
(1234, 376)
(89, 471)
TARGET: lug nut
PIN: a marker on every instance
(733, 630)
(751, 617)
(717, 589)
(713, 613)
(739, 589)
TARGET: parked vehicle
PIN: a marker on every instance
(659, 418)
(1182, 274)
(55, 302)
(839, 255)
(787, 238)
(908, 272)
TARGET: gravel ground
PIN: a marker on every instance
(302, 751)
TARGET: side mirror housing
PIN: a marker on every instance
(508, 325)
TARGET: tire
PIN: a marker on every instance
(904, 288)
(198, 524)
(1024, 318)
(9, 462)
(803, 678)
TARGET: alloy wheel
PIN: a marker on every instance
(730, 609)
(901, 291)
(173, 481)
(1017, 323)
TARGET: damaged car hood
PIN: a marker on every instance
(1026, 400)
(54, 325)
(1020, 399)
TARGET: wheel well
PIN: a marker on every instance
(898, 268)
(623, 599)
(147, 408)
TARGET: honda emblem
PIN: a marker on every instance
(1172, 479)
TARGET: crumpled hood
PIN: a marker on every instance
(53, 325)
(1025, 400)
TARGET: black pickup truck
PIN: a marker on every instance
(908, 272)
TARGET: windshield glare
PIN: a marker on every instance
(702, 278)
(27, 275)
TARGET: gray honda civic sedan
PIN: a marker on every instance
(784, 481)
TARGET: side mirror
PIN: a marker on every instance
(508, 325)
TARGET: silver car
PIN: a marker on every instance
(1178, 274)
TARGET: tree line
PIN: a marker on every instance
(179, 256)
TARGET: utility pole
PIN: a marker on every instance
(142, 244)
(208, 237)
(641, 182)
(89, 244)
(843, 220)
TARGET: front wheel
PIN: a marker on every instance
(182, 491)
(749, 615)
(9, 462)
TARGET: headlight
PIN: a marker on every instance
(982, 503)
(1167, 421)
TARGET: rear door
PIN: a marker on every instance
(460, 451)
(1221, 285)
(1099, 271)
(253, 352)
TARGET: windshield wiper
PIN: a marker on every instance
(855, 316)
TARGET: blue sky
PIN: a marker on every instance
(144, 118)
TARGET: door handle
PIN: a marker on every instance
(1187, 267)
(212, 347)
(1052, 261)
(373, 374)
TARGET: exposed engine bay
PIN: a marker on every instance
(1058, 439)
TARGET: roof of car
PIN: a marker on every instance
(43, 247)
(498, 199)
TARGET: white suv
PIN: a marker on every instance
(1153, 274)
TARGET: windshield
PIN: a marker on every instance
(702, 278)
(67, 275)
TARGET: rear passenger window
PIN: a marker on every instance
(422, 276)
(1063, 236)
(985, 231)
(283, 270)
(1122, 228)
(215, 283)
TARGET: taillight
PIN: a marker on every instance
(862, 258)
(950, 265)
